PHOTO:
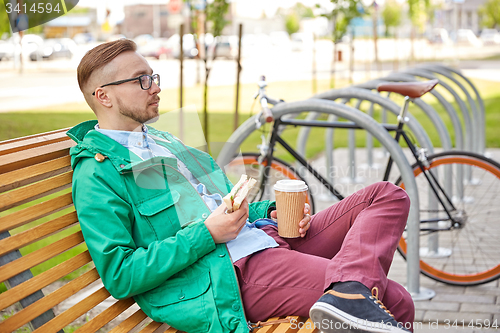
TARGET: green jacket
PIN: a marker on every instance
(143, 225)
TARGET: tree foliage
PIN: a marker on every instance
(489, 13)
(292, 23)
(216, 16)
(341, 14)
(418, 12)
(391, 15)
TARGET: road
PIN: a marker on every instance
(54, 82)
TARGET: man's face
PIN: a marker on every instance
(135, 105)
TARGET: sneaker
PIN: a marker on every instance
(353, 313)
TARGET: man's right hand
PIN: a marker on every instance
(225, 227)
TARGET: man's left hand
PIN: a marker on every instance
(304, 224)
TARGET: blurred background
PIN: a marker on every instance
(302, 47)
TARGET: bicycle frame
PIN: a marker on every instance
(434, 184)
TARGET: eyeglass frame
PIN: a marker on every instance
(151, 79)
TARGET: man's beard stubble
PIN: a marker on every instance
(138, 115)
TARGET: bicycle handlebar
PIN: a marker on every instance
(268, 115)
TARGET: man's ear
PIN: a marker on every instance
(103, 98)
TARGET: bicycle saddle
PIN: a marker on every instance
(410, 89)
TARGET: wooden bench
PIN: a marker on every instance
(36, 203)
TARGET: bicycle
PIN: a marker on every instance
(456, 191)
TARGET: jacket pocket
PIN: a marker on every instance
(161, 214)
(185, 305)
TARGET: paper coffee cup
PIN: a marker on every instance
(290, 201)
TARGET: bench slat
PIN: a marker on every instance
(287, 328)
(152, 327)
(32, 213)
(34, 258)
(25, 158)
(309, 327)
(172, 330)
(29, 236)
(34, 173)
(106, 316)
(48, 302)
(42, 280)
(129, 323)
(31, 192)
(38, 135)
(68, 316)
(12, 147)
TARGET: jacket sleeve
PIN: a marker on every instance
(106, 219)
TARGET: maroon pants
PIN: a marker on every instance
(353, 240)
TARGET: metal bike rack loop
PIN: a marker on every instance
(455, 120)
(479, 101)
(230, 149)
(477, 131)
(360, 95)
(436, 120)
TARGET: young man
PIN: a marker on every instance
(151, 212)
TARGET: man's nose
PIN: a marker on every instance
(155, 89)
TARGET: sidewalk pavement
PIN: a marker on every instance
(453, 309)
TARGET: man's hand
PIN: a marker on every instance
(304, 224)
(225, 227)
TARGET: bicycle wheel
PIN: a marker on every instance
(250, 165)
(465, 253)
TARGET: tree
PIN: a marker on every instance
(214, 22)
(489, 13)
(341, 14)
(292, 24)
(418, 14)
(391, 15)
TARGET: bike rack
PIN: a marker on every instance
(457, 126)
(477, 132)
(443, 134)
(229, 151)
(360, 95)
(479, 101)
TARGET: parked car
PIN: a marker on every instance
(83, 38)
(439, 36)
(227, 47)
(490, 36)
(302, 41)
(6, 50)
(148, 46)
(466, 36)
(188, 45)
(54, 48)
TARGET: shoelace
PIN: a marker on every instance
(377, 301)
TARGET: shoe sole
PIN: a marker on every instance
(329, 319)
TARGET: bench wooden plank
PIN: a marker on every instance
(25, 158)
(309, 327)
(33, 136)
(32, 235)
(48, 302)
(32, 213)
(129, 323)
(287, 328)
(12, 147)
(152, 327)
(106, 316)
(68, 316)
(34, 258)
(42, 280)
(31, 192)
(34, 173)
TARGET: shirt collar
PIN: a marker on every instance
(129, 138)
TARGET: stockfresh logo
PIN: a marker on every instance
(25, 14)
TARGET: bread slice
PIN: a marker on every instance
(243, 192)
(229, 198)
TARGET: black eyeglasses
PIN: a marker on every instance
(145, 80)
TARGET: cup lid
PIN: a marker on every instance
(290, 185)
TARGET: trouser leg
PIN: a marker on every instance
(353, 240)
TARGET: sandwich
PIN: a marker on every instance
(239, 192)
